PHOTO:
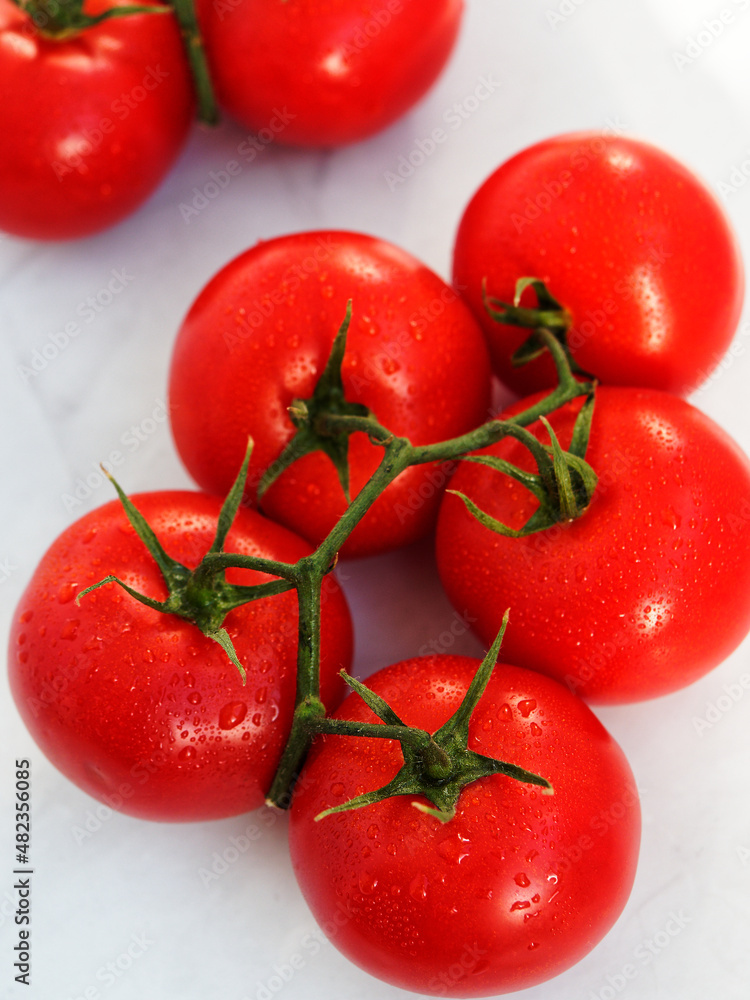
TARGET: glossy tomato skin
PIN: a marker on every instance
(518, 886)
(259, 335)
(140, 709)
(650, 588)
(90, 125)
(627, 239)
(325, 72)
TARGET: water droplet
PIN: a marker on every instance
(418, 887)
(533, 945)
(506, 712)
(454, 848)
(367, 883)
(337, 789)
(522, 879)
(194, 698)
(373, 831)
(232, 714)
(520, 904)
(187, 753)
(526, 707)
(67, 592)
(189, 679)
(26, 616)
(70, 629)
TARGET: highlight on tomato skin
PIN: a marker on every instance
(644, 593)
(627, 239)
(258, 336)
(324, 73)
(140, 709)
(92, 123)
(518, 887)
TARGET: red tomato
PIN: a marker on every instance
(325, 72)
(89, 125)
(139, 708)
(627, 239)
(259, 335)
(644, 593)
(518, 886)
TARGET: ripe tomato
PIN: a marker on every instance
(644, 593)
(518, 886)
(325, 72)
(139, 708)
(627, 239)
(259, 335)
(90, 124)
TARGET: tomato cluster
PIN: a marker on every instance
(108, 101)
(450, 818)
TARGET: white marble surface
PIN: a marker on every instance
(134, 889)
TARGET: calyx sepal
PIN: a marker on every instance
(201, 595)
(564, 483)
(436, 766)
(314, 431)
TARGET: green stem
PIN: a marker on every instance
(398, 455)
(309, 708)
(62, 19)
(193, 41)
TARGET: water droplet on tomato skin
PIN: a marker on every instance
(526, 707)
(418, 887)
(70, 629)
(522, 879)
(367, 883)
(187, 753)
(232, 714)
(194, 698)
(67, 592)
